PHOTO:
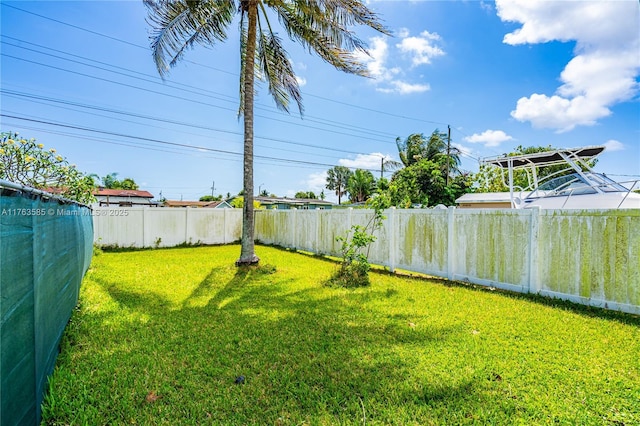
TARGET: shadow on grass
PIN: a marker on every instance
(307, 354)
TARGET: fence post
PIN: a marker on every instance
(317, 247)
(391, 229)
(144, 221)
(224, 226)
(451, 245)
(186, 225)
(293, 228)
(533, 249)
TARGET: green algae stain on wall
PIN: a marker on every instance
(608, 257)
(586, 265)
(409, 239)
(633, 291)
(621, 262)
(264, 226)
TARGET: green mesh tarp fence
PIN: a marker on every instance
(45, 249)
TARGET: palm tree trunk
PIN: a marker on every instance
(247, 251)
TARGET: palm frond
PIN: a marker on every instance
(321, 27)
(180, 24)
(276, 67)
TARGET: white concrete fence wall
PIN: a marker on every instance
(165, 227)
(587, 256)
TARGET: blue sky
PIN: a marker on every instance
(79, 77)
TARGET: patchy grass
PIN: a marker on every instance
(162, 336)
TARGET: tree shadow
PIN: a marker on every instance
(300, 353)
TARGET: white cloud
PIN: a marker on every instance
(364, 161)
(404, 88)
(489, 138)
(486, 6)
(392, 79)
(316, 182)
(375, 60)
(614, 145)
(421, 49)
(402, 33)
(301, 81)
(604, 69)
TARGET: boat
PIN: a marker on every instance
(575, 186)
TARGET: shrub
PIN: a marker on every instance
(26, 162)
(354, 268)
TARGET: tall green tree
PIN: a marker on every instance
(337, 179)
(425, 183)
(111, 181)
(322, 26)
(308, 195)
(128, 183)
(361, 185)
(417, 147)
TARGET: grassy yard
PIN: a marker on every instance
(161, 337)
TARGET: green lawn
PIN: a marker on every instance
(160, 337)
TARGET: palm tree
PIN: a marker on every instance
(361, 185)
(416, 147)
(337, 179)
(319, 25)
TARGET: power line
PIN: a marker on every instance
(216, 69)
(189, 88)
(158, 141)
(183, 98)
(46, 100)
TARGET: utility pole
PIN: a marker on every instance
(448, 150)
(213, 188)
(381, 167)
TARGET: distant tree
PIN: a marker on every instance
(337, 179)
(322, 195)
(111, 181)
(305, 195)
(416, 148)
(425, 183)
(382, 185)
(238, 203)
(360, 185)
(26, 162)
(211, 198)
(264, 193)
(128, 183)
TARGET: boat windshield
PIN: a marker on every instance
(577, 185)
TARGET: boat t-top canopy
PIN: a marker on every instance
(574, 158)
(547, 158)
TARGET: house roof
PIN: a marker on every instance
(122, 193)
(292, 201)
(203, 204)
